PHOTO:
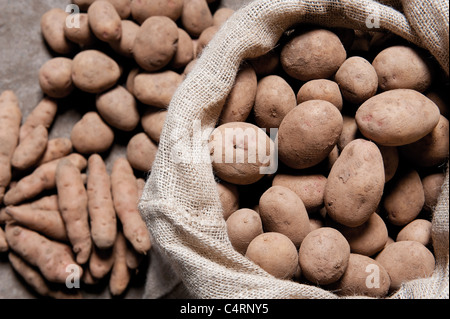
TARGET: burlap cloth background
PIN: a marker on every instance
(180, 203)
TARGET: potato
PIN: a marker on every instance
(397, 117)
(205, 37)
(55, 77)
(275, 253)
(309, 188)
(321, 89)
(129, 84)
(390, 161)
(405, 261)
(185, 50)
(43, 113)
(91, 135)
(30, 149)
(82, 34)
(432, 149)
(141, 152)
(221, 15)
(52, 28)
(266, 64)
(143, 9)
(241, 98)
(229, 198)
(94, 72)
(357, 79)
(308, 133)
(282, 211)
(156, 43)
(439, 100)
(196, 17)
(124, 45)
(152, 122)
(156, 89)
(402, 67)
(418, 230)
(241, 153)
(104, 21)
(349, 133)
(315, 223)
(367, 239)
(404, 198)
(355, 184)
(432, 188)
(118, 108)
(123, 8)
(274, 99)
(242, 227)
(364, 276)
(324, 256)
(314, 54)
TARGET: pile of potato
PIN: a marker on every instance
(363, 144)
(64, 217)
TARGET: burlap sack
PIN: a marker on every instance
(180, 203)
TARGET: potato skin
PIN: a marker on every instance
(156, 89)
(91, 135)
(282, 211)
(124, 45)
(52, 28)
(320, 89)
(357, 79)
(242, 227)
(418, 230)
(155, 43)
(402, 67)
(143, 9)
(141, 152)
(308, 133)
(355, 184)
(274, 99)
(104, 21)
(275, 253)
(391, 160)
(94, 72)
(118, 108)
(404, 199)
(405, 261)
(432, 187)
(356, 278)
(196, 17)
(55, 77)
(324, 256)
(152, 122)
(314, 54)
(397, 117)
(185, 50)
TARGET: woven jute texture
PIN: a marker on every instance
(180, 203)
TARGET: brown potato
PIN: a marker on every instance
(241, 98)
(82, 34)
(118, 108)
(55, 77)
(266, 64)
(185, 50)
(355, 184)
(309, 188)
(156, 89)
(430, 150)
(274, 99)
(367, 239)
(321, 89)
(123, 8)
(205, 37)
(196, 17)
(418, 230)
(242, 227)
(282, 211)
(91, 135)
(357, 79)
(364, 276)
(143, 9)
(129, 84)
(94, 72)
(229, 198)
(308, 133)
(349, 133)
(440, 102)
(314, 54)
(52, 27)
(324, 256)
(241, 153)
(156, 43)
(315, 223)
(405, 261)
(402, 67)
(152, 122)
(221, 15)
(141, 152)
(30, 149)
(124, 45)
(390, 161)
(404, 198)
(104, 21)
(432, 188)
(275, 253)
(397, 117)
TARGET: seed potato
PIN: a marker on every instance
(55, 77)
(320, 89)
(418, 230)
(242, 227)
